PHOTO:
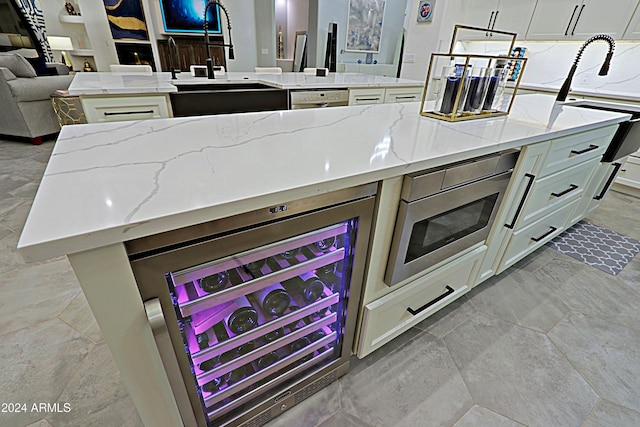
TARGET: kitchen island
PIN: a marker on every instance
(137, 96)
(107, 184)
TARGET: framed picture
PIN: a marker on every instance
(364, 25)
(425, 11)
(126, 19)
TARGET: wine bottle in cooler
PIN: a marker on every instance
(244, 318)
(255, 267)
(325, 245)
(273, 335)
(308, 285)
(273, 299)
(214, 282)
(267, 360)
(290, 253)
(298, 345)
(214, 385)
(202, 340)
(327, 273)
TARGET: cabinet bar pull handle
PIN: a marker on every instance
(568, 190)
(489, 24)
(577, 19)
(406, 97)
(616, 168)
(586, 150)
(551, 230)
(449, 291)
(368, 99)
(522, 200)
(123, 113)
(566, 32)
(495, 18)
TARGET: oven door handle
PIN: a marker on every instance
(449, 291)
(522, 200)
(616, 168)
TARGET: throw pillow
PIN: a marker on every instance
(17, 64)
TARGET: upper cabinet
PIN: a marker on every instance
(579, 20)
(503, 15)
(633, 30)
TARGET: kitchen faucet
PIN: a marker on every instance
(566, 86)
(207, 43)
(173, 50)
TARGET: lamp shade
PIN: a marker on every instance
(60, 43)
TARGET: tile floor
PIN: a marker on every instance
(551, 342)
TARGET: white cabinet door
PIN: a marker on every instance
(598, 17)
(633, 30)
(579, 19)
(553, 19)
(479, 13)
(514, 16)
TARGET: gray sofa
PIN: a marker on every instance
(27, 111)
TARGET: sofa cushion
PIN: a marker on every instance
(39, 88)
(7, 74)
(17, 64)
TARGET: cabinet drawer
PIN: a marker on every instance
(389, 316)
(553, 191)
(117, 109)
(407, 94)
(571, 150)
(530, 238)
(366, 96)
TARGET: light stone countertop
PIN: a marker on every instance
(112, 182)
(131, 83)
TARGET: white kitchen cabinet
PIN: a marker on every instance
(503, 15)
(579, 20)
(366, 96)
(125, 108)
(596, 189)
(382, 95)
(628, 180)
(633, 30)
(393, 314)
(547, 186)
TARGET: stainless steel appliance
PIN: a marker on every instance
(253, 313)
(319, 98)
(446, 210)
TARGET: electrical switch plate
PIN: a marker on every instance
(409, 58)
(265, 51)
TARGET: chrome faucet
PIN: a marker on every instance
(207, 43)
(566, 86)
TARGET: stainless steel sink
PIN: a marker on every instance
(627, 138)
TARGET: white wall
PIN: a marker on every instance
(265, 25)
(297, 20)
(424, 38)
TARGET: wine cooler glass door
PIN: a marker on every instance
(249, 324)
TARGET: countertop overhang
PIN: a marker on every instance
(113, 182)
(88, 84)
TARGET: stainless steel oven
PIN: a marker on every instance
(446, 210)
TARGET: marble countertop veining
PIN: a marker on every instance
(111, 182)
(131, 83)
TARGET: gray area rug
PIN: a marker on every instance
(603, 249)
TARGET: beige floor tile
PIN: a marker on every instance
(35, 293)
(78, 315)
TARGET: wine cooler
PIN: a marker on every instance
(253, 313)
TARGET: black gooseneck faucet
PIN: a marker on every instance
(173, 50)
(566, 86)
(207, 43)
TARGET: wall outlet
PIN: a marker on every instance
(409, 58)
(265, 51)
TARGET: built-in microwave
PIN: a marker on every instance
(445, 211)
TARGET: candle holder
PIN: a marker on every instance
(464, 86)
